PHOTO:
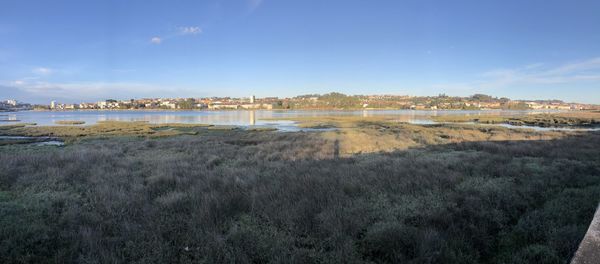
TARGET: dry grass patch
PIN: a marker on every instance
(366, 135)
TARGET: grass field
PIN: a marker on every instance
(371, 191)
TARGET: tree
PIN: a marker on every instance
(187, 104)
(482, 98)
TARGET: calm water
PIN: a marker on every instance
(259, 118)
(238, 118)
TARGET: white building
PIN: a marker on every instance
(53, 105)
(87, 106)
(169, 104)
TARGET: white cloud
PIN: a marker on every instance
(43, 71)
(574, 67)
(190, 30)
(83, 89)
(156, 40)
(569, 72)
(91, 91)
(573, 72)
(180, 31)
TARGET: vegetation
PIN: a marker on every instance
(17, 125)
(25, 140)
(264, 129)
(414, 194)
(102, 129)
(189, 103)
(565, 119)
(356, 135)
(69, 122)
(475, 102)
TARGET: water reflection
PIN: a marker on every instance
(252, 118)
(8, 118)
(239, 118)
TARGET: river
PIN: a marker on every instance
(237, 118)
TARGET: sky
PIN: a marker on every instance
(75, 51)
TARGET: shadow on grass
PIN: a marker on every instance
(243, 197)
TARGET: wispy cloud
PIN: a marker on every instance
(533, 74)
(42, 71)
(190, 30)
(83, 89)
(180, 31)
(540, 74)
(155, 40)
(90, 91)
(576, 67)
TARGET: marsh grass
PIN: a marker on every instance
(442, 194)
(263, 129)
(69, 122)
(223, 127)
(11, 126)
(565, 119)
(104, 129)
(335, 121)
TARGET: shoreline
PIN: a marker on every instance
(303, 109)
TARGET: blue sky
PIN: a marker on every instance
(73, 51)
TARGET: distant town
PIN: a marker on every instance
(310, 101)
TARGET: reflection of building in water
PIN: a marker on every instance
(252, 118)
(240, 106)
